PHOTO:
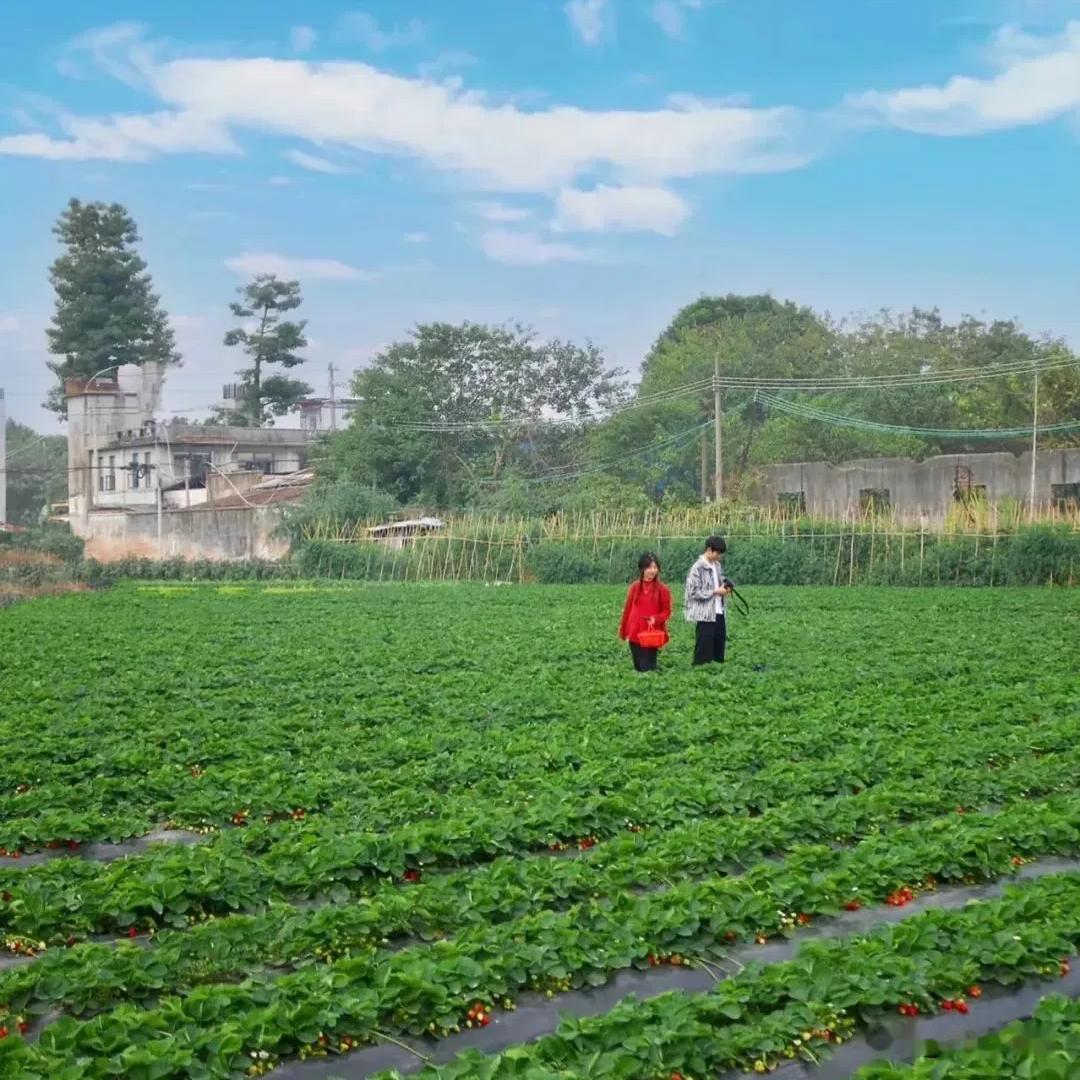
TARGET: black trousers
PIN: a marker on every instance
(644, 659)
(711, 641)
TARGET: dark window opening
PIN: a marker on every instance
(1066, 496)
(874, 500)
(792, 502)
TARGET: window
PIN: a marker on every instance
(134, 470)
(874, 500)
(109, 477)
(973, 493)
(792, 502)
(1066, 496)
(146, 469)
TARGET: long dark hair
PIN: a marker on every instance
(643, 564)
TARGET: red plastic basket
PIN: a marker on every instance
(651, 639)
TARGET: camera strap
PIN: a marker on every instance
(740, 605)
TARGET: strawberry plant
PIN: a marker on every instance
(402, 848)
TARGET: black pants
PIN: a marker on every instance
(711, 641)
(644, 659)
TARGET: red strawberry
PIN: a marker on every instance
(852, 905)
(23, 1027)
(948, 1005)
(485, 1020)
(975, 991)
(133, 931)
(961, 1007)
(3, 1032)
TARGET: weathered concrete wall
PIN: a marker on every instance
(203, 533)
(918, 488)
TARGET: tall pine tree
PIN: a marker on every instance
(106, 311)
(268, 339)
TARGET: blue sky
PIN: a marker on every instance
(586, 167)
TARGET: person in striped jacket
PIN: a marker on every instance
(703, 603)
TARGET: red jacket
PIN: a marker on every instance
(642, 600)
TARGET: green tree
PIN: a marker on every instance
(921, 341)
(750, 335)
(269, 339)
(107, 313)
(36, 472)
(458, 410)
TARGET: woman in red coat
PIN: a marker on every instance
(648, 607)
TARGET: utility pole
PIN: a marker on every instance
(1034, 446)
(718, 417)
(704, 467)
(333, 399)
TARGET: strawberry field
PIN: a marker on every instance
(320, 830)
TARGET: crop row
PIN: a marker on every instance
(801, 1008)
(253, 712)
(365, 998)
(1046, 1046)
(244, 869)
(429, 987)
(397, 786)
(503, 889)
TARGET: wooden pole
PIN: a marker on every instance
(718, 418)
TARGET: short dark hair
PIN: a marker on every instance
(717, 544)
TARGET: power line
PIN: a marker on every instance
(661, 397)
(672, 442)
(810, 412)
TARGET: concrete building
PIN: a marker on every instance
(130, 471)
(921, 490)
(326, 414)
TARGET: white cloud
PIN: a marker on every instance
(1038, 80)
(452, 60)
(124, 137)
(302, 39)
(311, 162)
(620, 209)
(529, 249)
(501, 146)
(9, 324)
(500, 212)
(118, 50)
(670, 16)
(416, 238)
(362, 27)
(588, 18)
(271, 262)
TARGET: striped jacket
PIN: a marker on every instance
(699, 598)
